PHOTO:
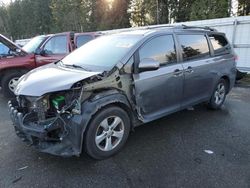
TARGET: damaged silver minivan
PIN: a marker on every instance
(90, 100)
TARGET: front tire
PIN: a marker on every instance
(107, 133)
(219, 95)
(9, 82)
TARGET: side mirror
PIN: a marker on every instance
(18, 50)
(148, 64)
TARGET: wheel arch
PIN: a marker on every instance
(3, 72)
(226, 78)
(100, 102)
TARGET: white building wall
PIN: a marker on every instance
(238, 35)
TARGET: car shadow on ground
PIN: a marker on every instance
(153, 137)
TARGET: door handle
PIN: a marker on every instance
(189, 70)
(177, 72)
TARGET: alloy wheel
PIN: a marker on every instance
(109, 133)
(13, 83)
(219, 94)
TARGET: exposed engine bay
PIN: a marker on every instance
(50, 111)
(57, 120)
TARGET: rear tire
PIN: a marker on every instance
(219, 95)
(107, 133)
(9, 82)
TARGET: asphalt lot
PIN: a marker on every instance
(165, 153)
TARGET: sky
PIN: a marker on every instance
(5, 1)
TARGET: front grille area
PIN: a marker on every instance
(33, 105)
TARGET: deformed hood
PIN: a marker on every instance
(7, 42)
(50, 78)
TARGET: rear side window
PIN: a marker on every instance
(161, 49)
(83, 39)
(194, 46)
(220, 44)
(57, 45)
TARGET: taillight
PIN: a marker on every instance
(236, 58)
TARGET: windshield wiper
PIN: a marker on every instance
(74, 66)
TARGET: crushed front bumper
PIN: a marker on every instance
(39, 135)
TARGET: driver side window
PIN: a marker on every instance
(161, 49)
(56, 45)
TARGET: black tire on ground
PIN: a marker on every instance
(219, 95)
(95, 129)
(240, 75)
(5, 83)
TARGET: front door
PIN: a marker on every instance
(159, 92)
(54, 49)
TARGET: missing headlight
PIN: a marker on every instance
(58, 102)
(65, 102)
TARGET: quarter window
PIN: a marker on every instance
(161, 49)
(219, 44)
(57, 45)
(194, 46)
(83, 39)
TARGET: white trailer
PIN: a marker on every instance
(237, 30)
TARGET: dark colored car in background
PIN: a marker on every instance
(41, 50)
(101, 91)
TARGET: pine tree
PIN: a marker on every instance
(118, 11)
(244, 7)
(209, 9)
(15, 20)
(70, 15)
(142, 12)
(4, 21)
(181, 10)
(164, 11)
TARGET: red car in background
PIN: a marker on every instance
(41, 50)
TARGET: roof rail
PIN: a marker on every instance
(158, 26)
(174, 26)
(136, 28)
(197, 27)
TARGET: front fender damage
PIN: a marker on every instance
(63, 130)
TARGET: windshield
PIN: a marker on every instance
(32, 45)
(102, 53)
(3, 49)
